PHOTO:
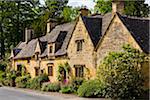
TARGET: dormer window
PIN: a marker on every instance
(50, 49)
(36, 56)
(79, 45)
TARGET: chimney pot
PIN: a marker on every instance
(117, 6)
(84, 11)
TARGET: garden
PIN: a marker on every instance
(119, 77)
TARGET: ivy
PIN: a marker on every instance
(63, 67)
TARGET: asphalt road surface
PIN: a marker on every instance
(14, 94)
(7, 93)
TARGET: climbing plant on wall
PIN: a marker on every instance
(63, 68)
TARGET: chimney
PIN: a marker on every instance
(84, 11)
(51, 23)
(117, 6)
(28, 34)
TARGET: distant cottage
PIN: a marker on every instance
(82, 44)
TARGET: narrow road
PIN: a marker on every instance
(14, 94)
(7, 93)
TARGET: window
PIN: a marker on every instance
(79, 71)
(36, 56)
(50, 70)
(28, 61)
(51, 49)
(42, 71)
(36, 71)
(79, 45)
(19, 68)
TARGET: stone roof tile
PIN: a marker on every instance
(139, 29)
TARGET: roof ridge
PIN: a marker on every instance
(18, 44)
(135, 17)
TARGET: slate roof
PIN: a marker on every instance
(63, 39)
(27, 50)
(139, 29)
(61, 35)
(21, 45)
(96, 26)
(106, 21)
(93, 26)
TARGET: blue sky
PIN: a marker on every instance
(89, 3)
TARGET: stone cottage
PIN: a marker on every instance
(82, 44)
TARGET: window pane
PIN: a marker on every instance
(42, 71)
(50, 49)
(50, 70)
(19, 68)
(36, 71)
(79, 45)
(28, 61)
(76, 72)
(79, 71)
(36, 57)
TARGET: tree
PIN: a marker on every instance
(55, 7)
(103, 6)
(52, 9)
(133, 8)
(14, 17)
(1, 29)
(137, 8)
(122, 73)
(69, 14)
(6, 13)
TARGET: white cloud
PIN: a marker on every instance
(148, 2)
(75, 3)
(42, 2)
(89, 3)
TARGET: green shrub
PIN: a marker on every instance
(9, 80)
(52, 87)
(66, 89)
(122, 72)
(44, 87)
(2, 76)
(3, 67)
(22, 81)
(36, 83)
(75, 83)
(91, 88)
